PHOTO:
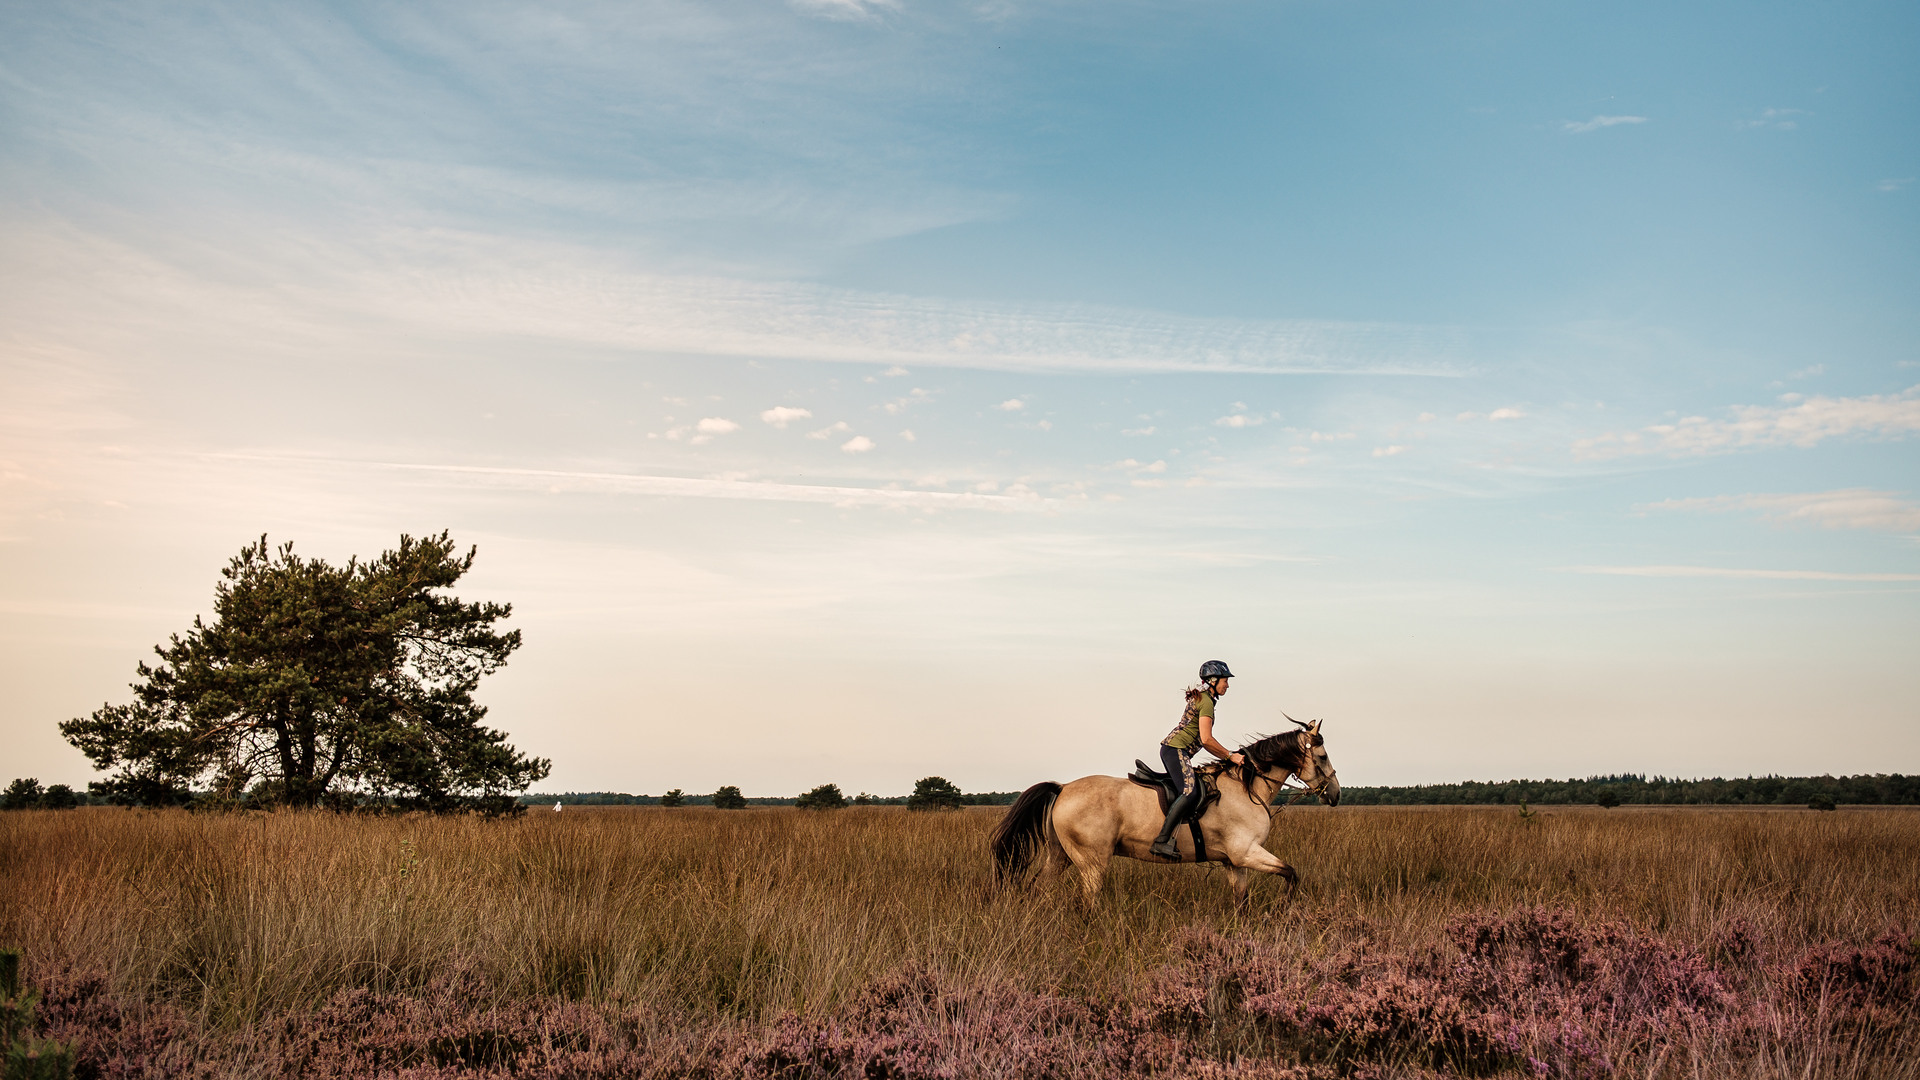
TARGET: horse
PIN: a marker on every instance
(1090, 820)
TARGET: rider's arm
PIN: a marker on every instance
(1213, 747)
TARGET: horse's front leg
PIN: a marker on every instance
(1259, 858)
(1237, 877)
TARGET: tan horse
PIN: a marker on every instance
(1094, 818)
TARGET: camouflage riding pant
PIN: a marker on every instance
(1179, 765)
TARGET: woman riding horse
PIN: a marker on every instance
(1194, 731)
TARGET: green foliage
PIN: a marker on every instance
(935, 793)
(728, 797)
(824, 797)
(864, 799)
(23, 1057)
(22, 794)
(672, 798)
(1821, 801)
(1634, 789)
(1608, 798)
(318, 685)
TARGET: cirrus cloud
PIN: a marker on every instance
(1850, 508)
(1802, 422)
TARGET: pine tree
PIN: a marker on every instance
(321, 685)
(934, 793)
(824, 797)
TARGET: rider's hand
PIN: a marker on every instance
(1239, 759)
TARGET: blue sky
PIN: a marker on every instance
(849, 391)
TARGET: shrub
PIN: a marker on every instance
(1608, 799)
(934, 793)
(673, 798)
(23, 794)
(729, 798)
(22, 1055)
(824, 797)
(1822, 801)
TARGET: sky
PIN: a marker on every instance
(856, 390)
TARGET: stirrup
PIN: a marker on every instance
(1166, 849)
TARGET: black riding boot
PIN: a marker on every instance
(1163, 845)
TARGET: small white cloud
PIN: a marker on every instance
(986, 487)
(893, 372)
(1137, 431)
(1388, 451)
(830, 430)
(1239, 406)
(1011, 405)
(1425, 417)
(1156, 467)
(1809, 372)
(1239, 420)
(859, 444)
(1329, 436)
(1505, 414)
(782, 415)
(1468, 416)
(1893, 184)
(714, 425)
(1581, 127)
(907, 434)
(914, 397)
(1045, 425)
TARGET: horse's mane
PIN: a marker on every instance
(1264, 753)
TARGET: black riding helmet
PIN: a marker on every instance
(1214, 669)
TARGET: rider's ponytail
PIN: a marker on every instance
(1194, 692)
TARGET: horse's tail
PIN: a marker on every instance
(1023, 830)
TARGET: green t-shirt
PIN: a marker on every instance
(1186, 734)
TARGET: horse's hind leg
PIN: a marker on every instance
(1092, 864)
(1053, 861)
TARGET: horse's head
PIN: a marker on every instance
(1302, 753)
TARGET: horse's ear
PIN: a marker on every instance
(1313, 728)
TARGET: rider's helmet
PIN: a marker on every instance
(1214, 669)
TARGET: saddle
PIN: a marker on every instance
(1169, 788)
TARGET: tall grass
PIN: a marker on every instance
(751, 917)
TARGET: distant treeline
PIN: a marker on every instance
(617, 798)
(1630, 788)
(1627, 788)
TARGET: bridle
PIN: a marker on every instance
(1303, 791)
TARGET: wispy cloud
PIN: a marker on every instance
(845, 10)
(1581, 127)
(1736, 572)
(1778, 119)
(1893, 183)
(1851, 508)
(558, 480)
(1802, 422)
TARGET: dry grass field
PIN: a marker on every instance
(871, 942)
